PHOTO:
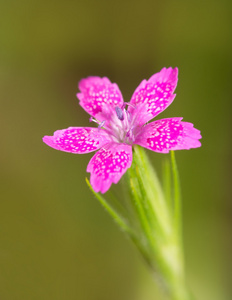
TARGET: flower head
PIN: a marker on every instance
(121, 125)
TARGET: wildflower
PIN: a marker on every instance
(121, 125)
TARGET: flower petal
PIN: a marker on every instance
(108, 165)
(99, 96)
(169, 134)
(77, 139)
(153, 96)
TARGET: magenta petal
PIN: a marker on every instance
(169, 134)
(98, 96)
(153, 96)
(108, 165)
(77, 139)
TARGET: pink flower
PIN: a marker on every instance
(122, 125)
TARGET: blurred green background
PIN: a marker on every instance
(56, 242)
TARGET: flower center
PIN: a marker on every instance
(119, 125)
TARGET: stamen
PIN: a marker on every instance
(119, 113)
(130, 134)
(101, 124)
(91, 119)
(127, 103)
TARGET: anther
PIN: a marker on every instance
(101, 124)
(119, 113)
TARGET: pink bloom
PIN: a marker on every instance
(121, 125)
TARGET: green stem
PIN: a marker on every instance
(153, 190)
(177, 195)
(152, 219)
(167, 182)
(164, 240)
